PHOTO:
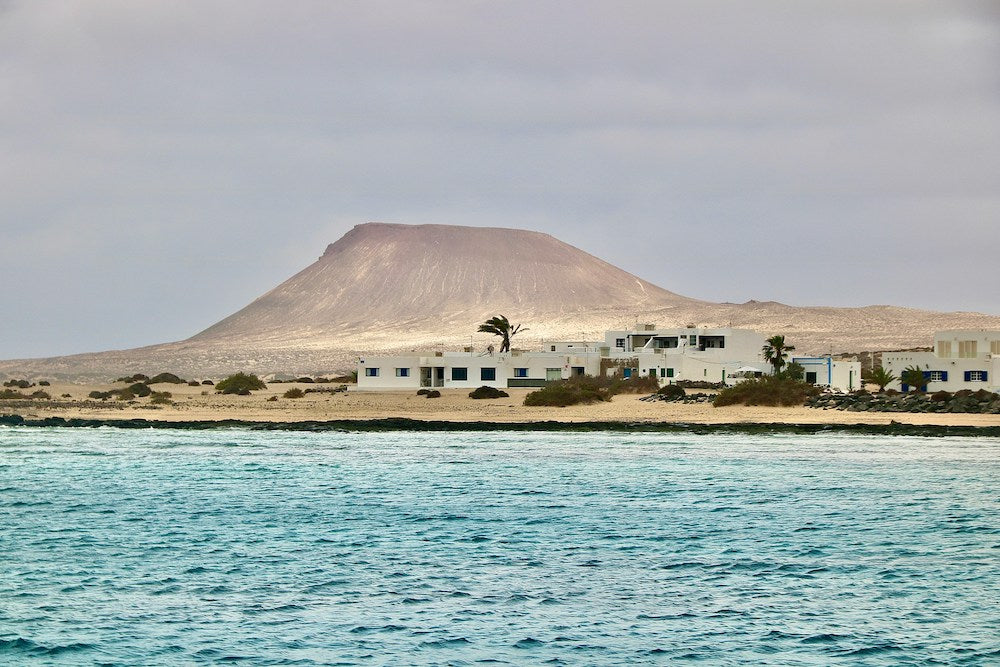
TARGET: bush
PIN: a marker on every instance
(941, 396)
(137, 389)
(103, 395)
(306, 380)
(20, 384)
(672, 392)
(44, 383)
(580, 389)
(434, 393)
(194, 383)
(637, 384)
(14, 394)
(138, 377)
(208, 383)
(240, 383)
(165, 378)
(273, 399)
(44, 395)
(766, 390)
(487, 392)
(161, 398)
(294, 392)
(423, 392)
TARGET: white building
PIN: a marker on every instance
(829, 372)
(961, 359)
(705, 354)
(468, 370)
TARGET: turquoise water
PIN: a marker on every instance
(170, 547)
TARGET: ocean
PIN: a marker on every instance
(124, 547)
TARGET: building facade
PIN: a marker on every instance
(961, 359)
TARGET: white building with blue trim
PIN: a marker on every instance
(961, 359)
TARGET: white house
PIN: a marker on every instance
(690, 353)
(469, 369)
(961, 359)
(829, 372)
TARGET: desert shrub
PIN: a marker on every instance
(433, 393)
(294, 392)
(165, 378)
(672, 392)
(44, 383)
(422, 392)
(20, 384)
(124, 395)
(322, 380)
(138, 377)
(240, 383)
(581, 389)
(161, 398)
(766, 390)
(14, 394)
(273, 399)
(984, 395)
(44, 395)
(940, 396)
(326, 390)
(208, 383)
(194, 383)
(305, 379)
(102, 395)
(138, 389)
(637, 384)
(487, 392)
(66, 396)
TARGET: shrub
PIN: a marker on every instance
(138, 377)
(103, 395)
(766, 391)
(637, 384)
(66, 396)
(44, 383)
(165, 378)
(940, 396)
(672, 392)
(138, 389)
(44, 395)
(273, 399)
(581, 389)
(208, 383)
(294, 392)
(240, 383)
(423, 392)
(487, 392)
(322, 380)
(161, 398)
(14, 394)
(194, 383)
(20, 384)
(306, 379)
(433, 393)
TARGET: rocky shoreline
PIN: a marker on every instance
(403, 424)
(965, 402)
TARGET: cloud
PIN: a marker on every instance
(219, 141)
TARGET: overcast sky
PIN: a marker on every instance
(164, 163)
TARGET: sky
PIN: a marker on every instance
(164, 163)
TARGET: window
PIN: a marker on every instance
(488, 374)
(620, 342)
(670, 372)
(944, 349)
(811, 377)
(552, 374)
(520, 372)
(967, 349)
(552, 348)
(579, 370)
(402, 372)
(371, 372)
(938, 376)
(692, 340)
(627, 373)
(995, 347)
(663, 372)
(975, 376)
(460, 374)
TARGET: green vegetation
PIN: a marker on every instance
(766, 390)
(775, 351)
(500, 326)
(914, 377)
(294, 392)
(433, 393)
(637, 384)
(165, 378)
(20, 384)
(161, 398)
(240, 383)
(138, 377)
(581, 389)
(672, 392)
(881, 377)
(487, 392)
(14, 394)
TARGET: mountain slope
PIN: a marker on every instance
(387, 287)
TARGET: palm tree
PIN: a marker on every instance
(775, 352)
(881, 377)
(500, 326)
(914, 377)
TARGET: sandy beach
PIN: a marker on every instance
(203, 404)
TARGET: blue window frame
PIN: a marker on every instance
(371, 372)
(402, 372)
(520, 372)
